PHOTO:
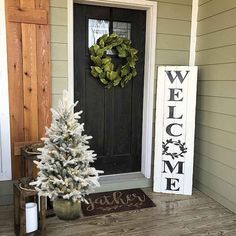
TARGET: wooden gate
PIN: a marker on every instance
(28, 48)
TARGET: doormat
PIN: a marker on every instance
(116, 201)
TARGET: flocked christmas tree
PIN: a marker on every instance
(64, 165)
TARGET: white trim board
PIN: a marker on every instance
(5, 146)
(193, 37)
(149, 68)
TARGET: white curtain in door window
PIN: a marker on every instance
(97, 28)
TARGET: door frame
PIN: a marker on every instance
(149, 66)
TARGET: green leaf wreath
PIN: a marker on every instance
(104, 69)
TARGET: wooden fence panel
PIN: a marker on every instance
(29, 71)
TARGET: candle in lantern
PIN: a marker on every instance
(31, 217)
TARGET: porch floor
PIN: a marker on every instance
(174, 215)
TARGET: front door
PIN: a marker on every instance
(112, 116)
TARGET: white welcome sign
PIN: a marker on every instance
(175, 125)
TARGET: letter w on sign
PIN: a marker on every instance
(178, 74)
(175, 125)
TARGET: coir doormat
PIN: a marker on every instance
(116, 201)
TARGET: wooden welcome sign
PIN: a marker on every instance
(175, 125)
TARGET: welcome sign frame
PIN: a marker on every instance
(175, 128)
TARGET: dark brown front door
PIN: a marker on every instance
(112, 116)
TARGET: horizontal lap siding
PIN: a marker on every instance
(173, 35)
(173, 32)
(59, 48)
(215, 146)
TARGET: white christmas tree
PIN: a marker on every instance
(64, 165)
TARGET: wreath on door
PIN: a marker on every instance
(104, 69)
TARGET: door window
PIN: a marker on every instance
(123, 29)
(96, 29)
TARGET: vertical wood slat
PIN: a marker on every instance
(44, 83)
(30, 82)
(29, 77)
(15, 75)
